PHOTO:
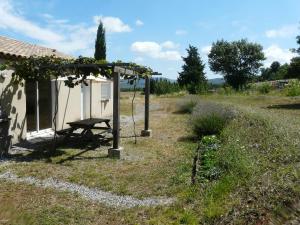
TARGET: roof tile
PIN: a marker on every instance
(15, 48)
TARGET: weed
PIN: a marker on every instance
(187, 105)
(293, 88)
(264, 88)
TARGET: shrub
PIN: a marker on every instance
(264, 88)
(293, 88)
(226, 90)
(210, 118)
(208, 125)
(163, 86)
(200, 88)
(187, 105)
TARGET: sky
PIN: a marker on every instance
(154, 33)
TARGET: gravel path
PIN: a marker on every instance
(126, 122)
(96, 195)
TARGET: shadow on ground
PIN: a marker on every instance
(188, 139)
(29, 151)
(285, 106)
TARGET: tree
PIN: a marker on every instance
(275, 72)
(269, 73)
(297, 50)
(238, 61)
(294, 68)
(282, 72)
(193, 76)
(275, 66)
(100, 43)
(298, 42)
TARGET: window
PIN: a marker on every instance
(105, 91)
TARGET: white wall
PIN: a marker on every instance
(13, 101)
(69, 104)
(101, 107)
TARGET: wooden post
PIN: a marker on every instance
(37, 107)
(91, 98)
(147, 132)
(115, 151)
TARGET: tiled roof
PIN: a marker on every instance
(13, 48)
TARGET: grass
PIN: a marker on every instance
(126, 106)
(258, 160)
(256, 146)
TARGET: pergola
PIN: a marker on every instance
(127, 71)
(77, 71)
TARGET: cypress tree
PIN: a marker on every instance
(193, 76)
(100, 44)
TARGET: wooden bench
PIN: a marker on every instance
(87, 126)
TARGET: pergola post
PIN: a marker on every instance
(115, 151)
(147, 132)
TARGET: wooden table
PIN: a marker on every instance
(87, 125)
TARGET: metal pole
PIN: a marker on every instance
(147, 132)
(115, 151)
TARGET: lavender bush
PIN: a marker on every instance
(210, 118)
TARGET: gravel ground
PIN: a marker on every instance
(4, 163)
(126, 122)
(96, 195)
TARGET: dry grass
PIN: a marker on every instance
(147, 169)
(125, 102)
(157, 166)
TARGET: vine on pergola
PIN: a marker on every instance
(76, 71)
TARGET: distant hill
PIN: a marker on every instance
(216, 81)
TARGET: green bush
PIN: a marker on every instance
(293, 88)
(210, 118)
(264, 88)
(226, 90)
(200, 88)
(208, 125)
(163, 86)
(187, 105)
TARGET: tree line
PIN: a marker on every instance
(240, 62)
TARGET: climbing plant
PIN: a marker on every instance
(75, 71)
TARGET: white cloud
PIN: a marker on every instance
(139, 23)
(154, 50)
(283, 32)
(51, 20)
(58, 33)
(169, 45)
(180, 32)
(113, 24)
(275, 53)
(11, 19)
(206, 49)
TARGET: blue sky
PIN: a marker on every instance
(154, 33)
